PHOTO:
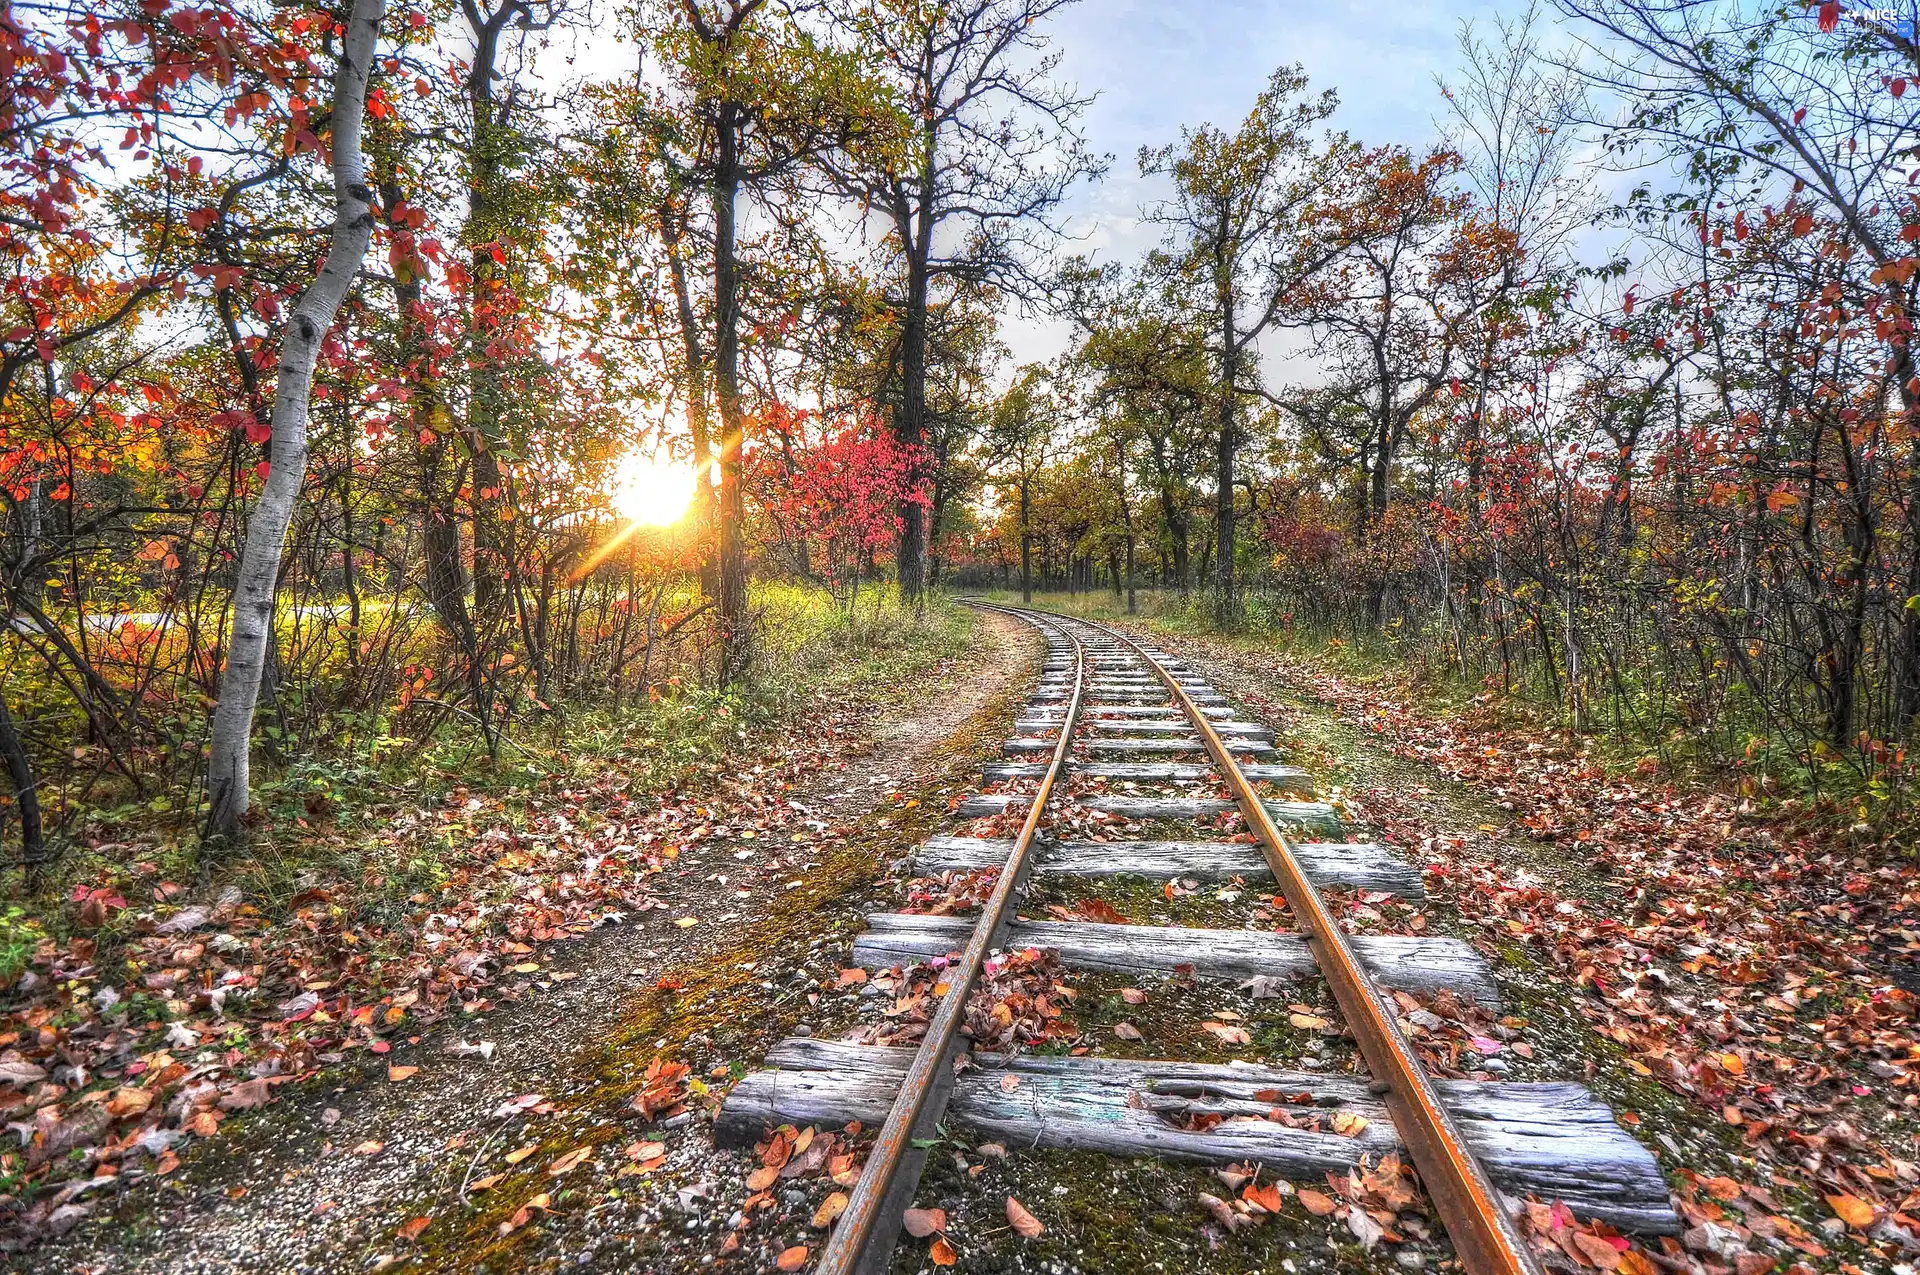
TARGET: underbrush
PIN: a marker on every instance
(321, 816)
(1775, 767)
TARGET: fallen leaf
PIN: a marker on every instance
(830, 1208)
(515, 1157)
(1266, 1195)
(1317, 1203)
(569, 1162)
(482, 1184)
(401, 1073)
(524, 1213)
(414, 1228)
(1009, 1083)
(763, 1177)
(921, 1223)
(1308, 1022)
(1133, 996)
(1127, 1031)
(943, 1253)
(1230, 1035)
(683, 923)
(1851, 1209)
(1022, 1221)
(792, 1259)
(1348, 1125)
(370, 1147)
(1364, 1228)
(1597, 1251)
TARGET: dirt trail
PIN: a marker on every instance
(324, 1179)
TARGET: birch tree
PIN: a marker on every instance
(228, 777)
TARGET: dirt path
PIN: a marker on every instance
(325, 1179)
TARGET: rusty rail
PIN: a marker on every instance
(866, 1233)
(1468, 1202)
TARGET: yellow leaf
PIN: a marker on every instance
(830, 1208)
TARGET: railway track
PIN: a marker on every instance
(1106, 714)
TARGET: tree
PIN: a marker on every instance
(969, 190)
(1234, 248)
(1020, 439)
(759, 97)
(257, 581)
(1784, 110)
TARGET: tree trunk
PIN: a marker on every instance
(26, 794)
(228, 776)
(1026, 547)
(705, 497)
(909, 420)
(732, 594)
(1226, 609)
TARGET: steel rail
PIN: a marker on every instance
(1467, 1201)
(864, 1237)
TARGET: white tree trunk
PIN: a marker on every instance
(255, 586)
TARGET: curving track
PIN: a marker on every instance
(1109, 712)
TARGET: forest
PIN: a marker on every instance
(391, 406)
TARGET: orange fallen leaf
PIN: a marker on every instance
(370, 1147)
(792, 1259)
(415, 1227)
(515, 1157)
(1133, 996)
(943, 1253)
(1266, 1195)
(524, 1213)
(1022, 1221)
(1851, 1209)
(569, 1162)
(1317, 1203)
(1127, 1031)
(481, 1184)
(401, 1073)
(762, 1178)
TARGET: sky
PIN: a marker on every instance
(1159, 65)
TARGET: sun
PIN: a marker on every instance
(651, 491)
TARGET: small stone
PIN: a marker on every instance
(1408, 1259)
(803, 1029)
